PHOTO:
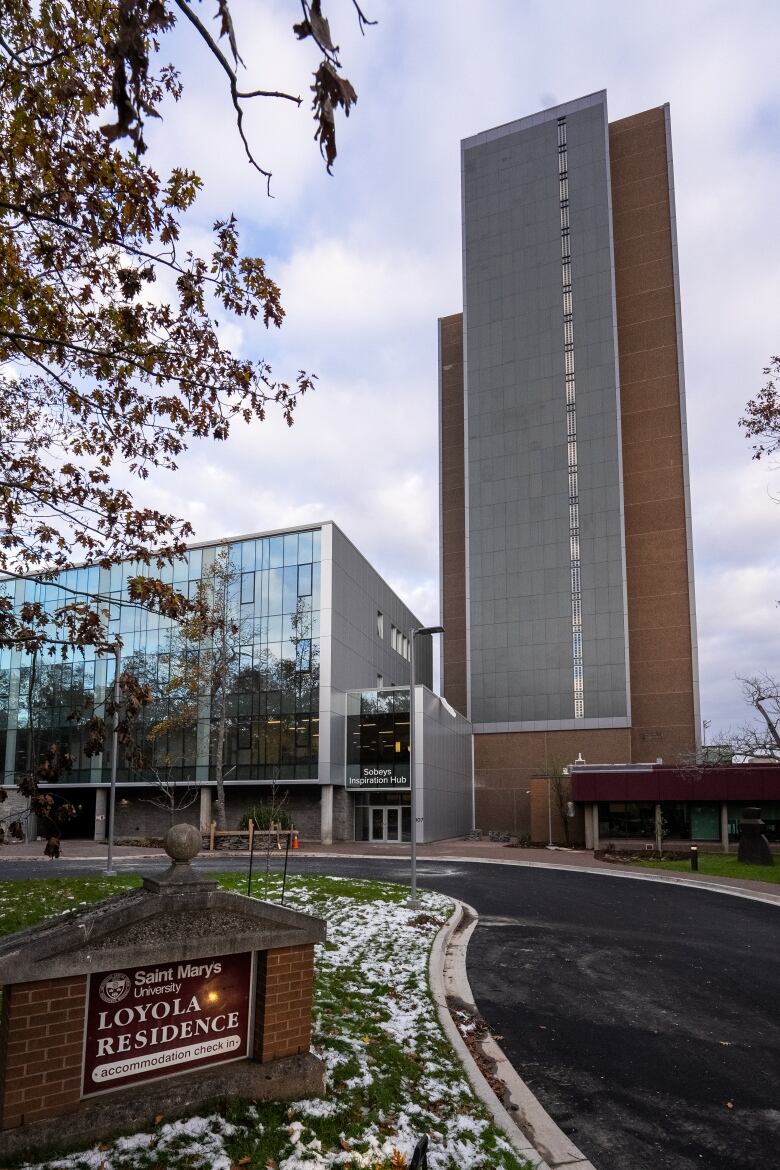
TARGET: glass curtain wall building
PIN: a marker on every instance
(316, 704)
(272, 732)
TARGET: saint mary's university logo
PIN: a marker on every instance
(114, 987)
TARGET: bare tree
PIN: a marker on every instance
(760, 740)
(169, 794)
(204, 661)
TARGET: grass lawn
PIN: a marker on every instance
(721, 865)
(391, 1074)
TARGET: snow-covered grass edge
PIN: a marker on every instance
(391, 1073)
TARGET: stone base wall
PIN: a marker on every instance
(140, 819)
(41, 1044)
(16, 808)
(135, 1108)
(343, 815)
(300, 803)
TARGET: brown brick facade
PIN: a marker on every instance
(505, 763)
(452, 504)
(283, 1006)
(41, 1041)
(657, 553)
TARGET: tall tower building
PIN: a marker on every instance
(567, 572)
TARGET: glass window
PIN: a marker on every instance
(316, 555)
(181, 570)
(305, 547)
(627, 819)
(247, 588)
(304, 580)
(770, 815)
(677, 820)
(276, 552)
(705, 822)
(290, 589)
(275, 582)
(248, 556)
(291, 548)
(195, 557)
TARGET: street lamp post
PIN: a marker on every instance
(117, 652)
(413, 902)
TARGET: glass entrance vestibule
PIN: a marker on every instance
(383, 816)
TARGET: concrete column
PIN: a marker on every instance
(101, 814)
(724, 827)
(594, 812)
(205, 808)
(326, 814)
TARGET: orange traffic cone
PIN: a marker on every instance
(295, 840)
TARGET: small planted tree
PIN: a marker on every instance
(557, 773)
(203, 656)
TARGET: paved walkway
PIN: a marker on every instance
(452, 849)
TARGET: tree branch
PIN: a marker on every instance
(235, 95)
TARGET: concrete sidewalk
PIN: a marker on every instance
(455, 849)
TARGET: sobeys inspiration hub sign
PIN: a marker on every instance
(145, 1022)
(377, 776)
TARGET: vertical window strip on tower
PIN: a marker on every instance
(571, 425)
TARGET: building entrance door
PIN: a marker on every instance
(390, 823)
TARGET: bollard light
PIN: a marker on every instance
(695, 858)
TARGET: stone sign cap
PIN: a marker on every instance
(175, 917)
(182, 843)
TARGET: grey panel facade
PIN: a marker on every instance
(519, 547)
(444, 769)
(353, 652)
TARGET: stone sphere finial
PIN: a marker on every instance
(182, 842)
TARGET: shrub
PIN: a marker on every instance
(264, 814)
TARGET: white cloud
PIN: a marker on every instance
(369, 258)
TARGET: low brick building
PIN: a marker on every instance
(617, 802)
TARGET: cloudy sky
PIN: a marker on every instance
(369, 258)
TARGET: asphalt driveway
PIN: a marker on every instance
(643, 1015)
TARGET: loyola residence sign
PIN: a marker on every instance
(147, 1022)
(154, 1001)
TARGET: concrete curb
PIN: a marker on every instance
(531, 1130)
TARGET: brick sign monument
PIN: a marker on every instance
(153, 1001)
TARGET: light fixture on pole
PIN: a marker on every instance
(413, 902)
